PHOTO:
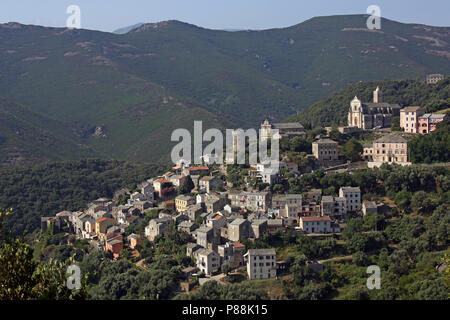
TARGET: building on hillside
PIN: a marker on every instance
(148, 191)
(434, 78)
(134, 240)
(268, 172)
(214, 203)
(182, 202)
(334, 207)
(326, 151)
(238, 230)
(352, 196)
(311, 209)
(177, 180)
(409, 119)
(191, 248)
(369, 207)
(392, 148)
(429, 121)
(258, 228)
(194, 211)
(314, 195)
(207, 261)
(208, 183)
(102, 224)
(157, 227)
(160, 185)
(206, 237)
(115, 245)
(187, 226)
(372, 115)
(261, 263)
(280, 201)
(196, 171)
(285, 130)
(254, 201)
(316, 224)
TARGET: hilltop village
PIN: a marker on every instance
(223, 207)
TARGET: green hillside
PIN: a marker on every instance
(333, 110)
(46, 189)
(133, 89)
(26, 137)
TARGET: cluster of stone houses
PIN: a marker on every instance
(219, 222)
(103, 221)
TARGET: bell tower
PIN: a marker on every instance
(377, 96)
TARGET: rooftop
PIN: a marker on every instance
(198, 168)
(287, 125)
(325, 141)
(370, 204)
(313, 219)
(351, 189)
(261, 252)
(411, 108)
(238, 221)
(391, 138)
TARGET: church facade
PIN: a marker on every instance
(372, 115)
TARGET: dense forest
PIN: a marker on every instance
(433, 147)
(46, 189)
(333, 109)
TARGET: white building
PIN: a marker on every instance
(261, 263)
(268, 171)
(316, 224)
(207, 261)
(352, 196)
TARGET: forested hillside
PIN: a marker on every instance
(46, 189)
(433, 147)
(334, 109)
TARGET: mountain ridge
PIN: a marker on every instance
(139, 86)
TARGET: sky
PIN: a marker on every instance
(109, 15)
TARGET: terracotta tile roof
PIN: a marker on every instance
(163, 181)
(309, 219)
(198, 168)
(238, 244)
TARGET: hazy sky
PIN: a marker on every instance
(108, 15)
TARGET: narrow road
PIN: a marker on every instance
(337, 259)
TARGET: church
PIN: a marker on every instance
(377, 114)
(285, 130)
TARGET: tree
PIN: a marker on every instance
(352, 149)
(403, 199)
(22, 278)
(187, 186)
(225, 268)
(395, 124)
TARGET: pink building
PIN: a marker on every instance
(409, 118)
(429, 121)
